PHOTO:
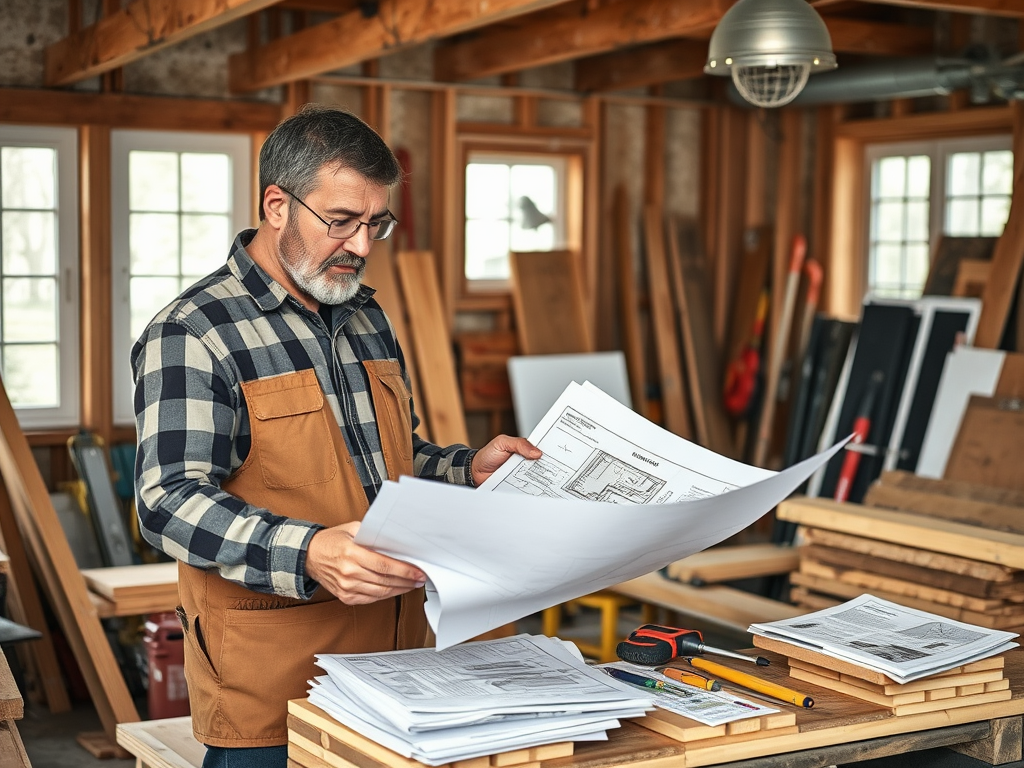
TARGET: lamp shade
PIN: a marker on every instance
(769, 47)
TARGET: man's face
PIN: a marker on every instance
(322, 267)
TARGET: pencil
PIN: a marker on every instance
(690, 678)
(774, 690)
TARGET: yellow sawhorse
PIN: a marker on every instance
(609, 604)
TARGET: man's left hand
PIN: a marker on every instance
(496, 453)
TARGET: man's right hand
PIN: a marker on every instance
(354, 574)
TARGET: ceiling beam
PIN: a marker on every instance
(551, 38)
(642, 66)
(137, 30)
(682, 59)
(352, 38)
(1011, 8)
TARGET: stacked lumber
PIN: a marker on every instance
(133, 590)
(315, 739)
(691, 731)
(958, 570)
(979, 682)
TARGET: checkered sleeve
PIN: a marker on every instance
(187, 421)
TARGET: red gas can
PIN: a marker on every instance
(168, 694)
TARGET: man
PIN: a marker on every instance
(272, 402)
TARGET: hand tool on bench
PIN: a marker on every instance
(654, 644)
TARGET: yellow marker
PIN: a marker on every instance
(774, 690)
(690, 678)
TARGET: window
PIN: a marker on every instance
(513, 203)
(920, 191)
(178, 201)
(39, 274)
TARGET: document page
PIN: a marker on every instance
(574, 525)
(902, 643)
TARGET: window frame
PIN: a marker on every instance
(122, 142)
(65, 142)
(939, 151)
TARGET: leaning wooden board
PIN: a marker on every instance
(836, 719)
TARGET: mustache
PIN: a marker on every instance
(343, 260)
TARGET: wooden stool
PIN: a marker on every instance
(609, 604)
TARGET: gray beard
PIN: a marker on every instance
(325, 288)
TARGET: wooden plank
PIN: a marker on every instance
(641, 66)
(703, 361)
(1007, 259)
(930, 576)
(735, 562)
(971, 277)
(721, 605)
(167, 743)
(315, 50)
(996, 516)
(959, 489)
(563, 34)
(547, 293)
(12, 707)
(26, 608)
(750, 282)
(380, 273)
(52, 107)
(900, 527)
(922, 558)
(674, 398)
(431, 344)
(868, 581)
(138, 29)
(1008, 8)
(927, 685)
(56, 567)
(629, 304)
(128, 581)
(833, 684)
(990, 442)
(876, 38)
(1002, 746)
(12, 749)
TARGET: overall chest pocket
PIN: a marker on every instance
(291, 437)
(391, 399)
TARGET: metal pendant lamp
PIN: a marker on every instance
(770, 47)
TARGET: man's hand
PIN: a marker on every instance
(496, 453)
(355, 574)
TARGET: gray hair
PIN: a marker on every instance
(317, 136)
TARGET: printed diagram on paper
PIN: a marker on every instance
(585, 460)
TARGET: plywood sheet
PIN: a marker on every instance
(129, 581)
(547, 293)
(432, 346)
(165, 743)
(989, 445)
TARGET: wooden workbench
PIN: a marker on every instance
(839, 729)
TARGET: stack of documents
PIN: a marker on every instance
(474, 699)
(902, 643)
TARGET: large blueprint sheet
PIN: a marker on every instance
(614, 497)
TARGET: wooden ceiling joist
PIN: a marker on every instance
(1011, 8)
(141, 28)
(877, 38)
(352, 38)
(558, 37)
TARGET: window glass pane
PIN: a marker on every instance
(204, 243)
(29, 243)
(30, 309)
(962, 217)
(919, 176)
(205, 182)
(994, 211)
(487, 191)
(487, 246)
(149, 296)
(917, 221)
(31, 375)
(889, 221)
(153, 240)
(540, 239)
(917, 267)
(537, 182)
(964, 174)
(29, 177)
(152, 181)
(887, 264)
(997, 174)
(891, 177)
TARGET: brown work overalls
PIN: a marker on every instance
(248, 653)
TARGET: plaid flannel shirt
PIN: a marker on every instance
(232, 326)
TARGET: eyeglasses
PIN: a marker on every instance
(342, 229)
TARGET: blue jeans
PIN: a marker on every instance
(246, 757)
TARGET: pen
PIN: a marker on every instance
(691, 679)
(643, 681)
(753, 683)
